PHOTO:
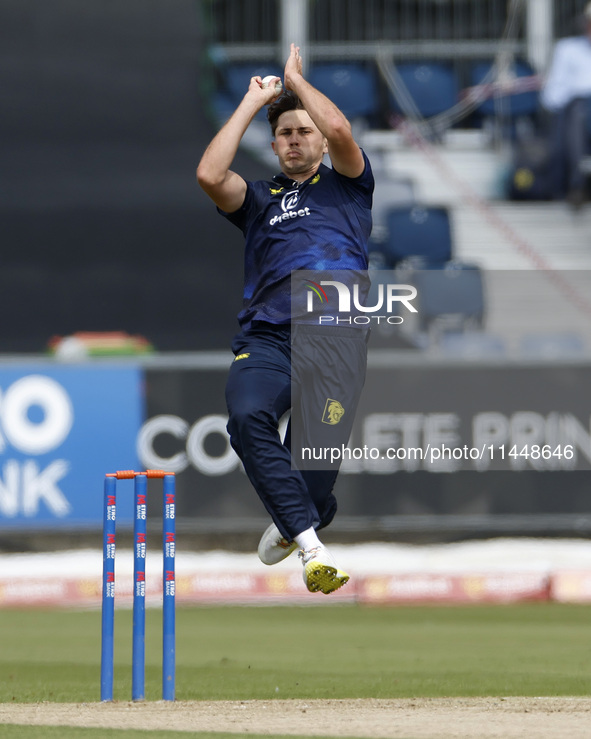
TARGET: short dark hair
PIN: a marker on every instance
(288, 101)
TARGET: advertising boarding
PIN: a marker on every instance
(61, 429)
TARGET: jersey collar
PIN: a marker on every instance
(285, 181)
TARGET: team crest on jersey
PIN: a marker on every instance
(333, 412)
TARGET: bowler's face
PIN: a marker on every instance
(298, 144)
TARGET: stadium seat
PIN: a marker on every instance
(388, 193)
(450, 298)
(237, 78)
(513, 106)
(417, 231)
(433, 87)
(352, 87)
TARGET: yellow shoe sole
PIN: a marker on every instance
(324, 578)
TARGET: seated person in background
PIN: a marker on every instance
(565, 93)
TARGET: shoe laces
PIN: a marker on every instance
(306, 556)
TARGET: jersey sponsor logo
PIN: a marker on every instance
(333, 412)
(289, 206)
(290, 200)
(242, 356)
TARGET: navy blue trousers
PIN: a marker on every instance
(569, 141)
(260, 391)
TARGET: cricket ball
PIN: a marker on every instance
(267, 81)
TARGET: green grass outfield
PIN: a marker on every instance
(344, 651)
(340, 651)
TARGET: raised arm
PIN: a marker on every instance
(345, 154)
(226, 188)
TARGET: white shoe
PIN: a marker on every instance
(273, 546)
(321, 572)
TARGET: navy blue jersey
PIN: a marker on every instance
(323, 223)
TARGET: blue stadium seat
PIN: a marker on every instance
(237, 76)
(237, 79)
(388, 193)
(417, 231)
(352, 87)
(452, 296)
(433, 87)
(521, 104)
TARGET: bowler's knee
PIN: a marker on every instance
(246, 420)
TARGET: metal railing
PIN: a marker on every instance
(567, 17)
(251, 29)
(384, 33)
(243, 21)
(403, 20)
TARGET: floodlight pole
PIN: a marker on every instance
(539, 33)
(294, 28)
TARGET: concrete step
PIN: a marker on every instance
(465, 175)
(536, 256)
